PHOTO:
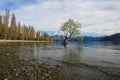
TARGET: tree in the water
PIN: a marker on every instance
(70, 28)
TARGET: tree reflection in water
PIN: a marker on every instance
(72, 55)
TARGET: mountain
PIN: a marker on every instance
(57, 37)
(85, 38)
(58, 32)
(89, 38)
(91, 34)
(52, 33)
(114, 37)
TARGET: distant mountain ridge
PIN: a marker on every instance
(89, 38)
(58, 32)
(114, 37)
(85, 38)
(58, 36)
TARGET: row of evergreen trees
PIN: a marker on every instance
(16, 31)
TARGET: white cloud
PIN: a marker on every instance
(95, 16)
(105, 28)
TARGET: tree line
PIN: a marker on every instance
(11, 30)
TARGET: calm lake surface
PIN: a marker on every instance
(79, 60)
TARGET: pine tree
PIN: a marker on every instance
(13, 27)
(0, 25)
(31, 33)
(26, 32)
(19, 31)
(23, 34)
(38, 35)
(46, 37)
(16, 31)
(5, 24)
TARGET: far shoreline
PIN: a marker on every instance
(2, 40)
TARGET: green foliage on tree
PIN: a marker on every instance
(80, 38)
(70, 28)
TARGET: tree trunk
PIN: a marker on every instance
(65, 40)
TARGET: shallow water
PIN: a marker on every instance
(79, 60)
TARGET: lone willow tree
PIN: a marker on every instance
(70, 28)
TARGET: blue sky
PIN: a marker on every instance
(100, 17)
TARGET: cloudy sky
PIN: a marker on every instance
(98, 17)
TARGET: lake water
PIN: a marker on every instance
(79, 60)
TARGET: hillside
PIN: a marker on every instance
(114, 37)
(85, 38)
(89, 38)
